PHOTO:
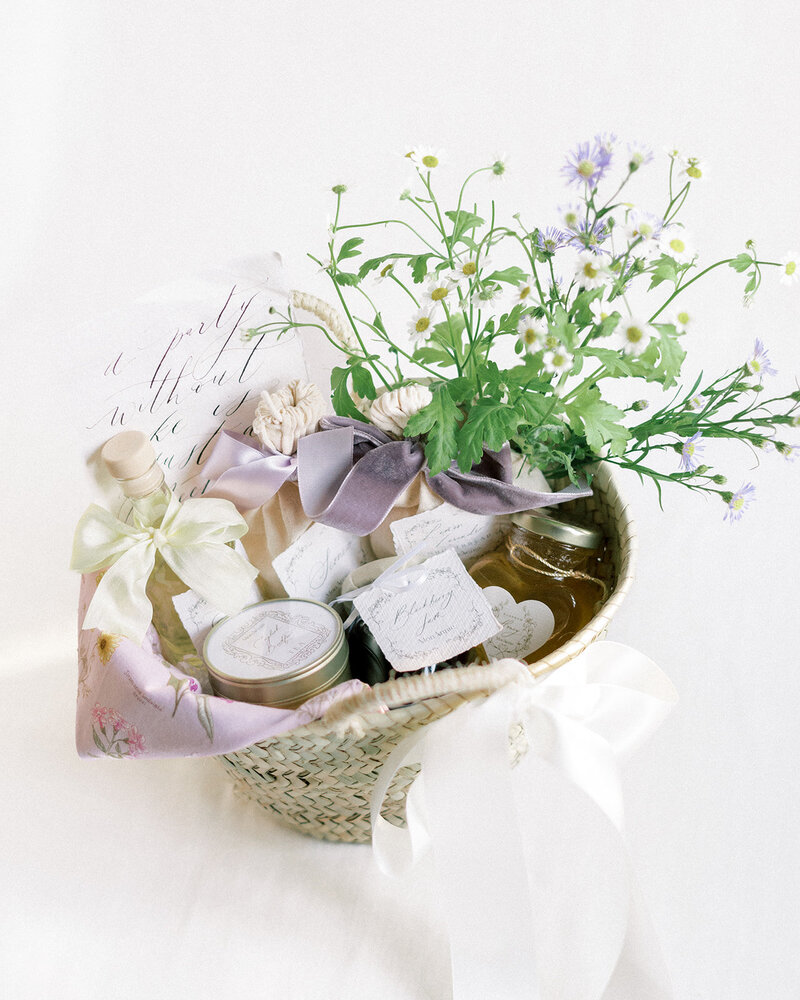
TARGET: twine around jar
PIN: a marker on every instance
(514, 554)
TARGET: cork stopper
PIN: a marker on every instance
(130, 458)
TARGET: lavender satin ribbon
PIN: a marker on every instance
(246, 473)
(350, 475)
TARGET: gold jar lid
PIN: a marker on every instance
(582, 536)
(278, 653)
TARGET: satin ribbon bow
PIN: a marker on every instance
(351, 474)
(245, 472)
(531, 864)
(192, 540)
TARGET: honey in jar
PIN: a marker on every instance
(549, 559)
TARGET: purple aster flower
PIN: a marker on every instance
(590, 237)
(690, 452)
(740, 501)
(551, 239)
(759, 364)
(588, 163)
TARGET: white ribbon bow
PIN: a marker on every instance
(531, 865)
(192, 540)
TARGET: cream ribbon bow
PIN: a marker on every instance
(192, 540)
(531, 866)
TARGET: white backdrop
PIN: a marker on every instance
(149, 140)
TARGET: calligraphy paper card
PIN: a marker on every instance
(441, 612)
(447, 527)
(316, 565)
(181, 365)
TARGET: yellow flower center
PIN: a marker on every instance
(677, 245)
(634, 334)
(439, 293)
(525, 291)
(558, 360)
(571, 218)
(737, 503)
(683, 318)
(645, 230)
(586, 168)
(386, 270)
(430, 161)
(693, 170)
(688, 449)
(529, 336)
(791, 267)
(469, 268)
(550, 341)
(422, 324)
(590, 270)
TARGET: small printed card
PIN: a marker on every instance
(198, 616)
(316, 565)
(447, 527)
(526, 626)
(441, 613)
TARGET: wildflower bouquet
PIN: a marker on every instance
(562, 297)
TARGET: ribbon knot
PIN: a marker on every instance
(192, 539)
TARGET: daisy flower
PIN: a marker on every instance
(571, 215)
(532, 332)
(425, 158)
(523, 292)
(485, 297)
(675, 242)
(789, 272)
(386, 271)
(467, 268)
(681, 321)
(690, 452)
(439, 288)
(420, 325)
(695, 403)
(638, 156)
(552, 239)
(590, 271)
(739, 501)
(642, 229)
(590, 237)
(588, 163)
(759, 363)
(634, 334)
(597, 311)
(558, 361)
(789, 451)
(693, 168)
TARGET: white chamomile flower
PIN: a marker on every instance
(572, 216)
(523, 292)
(695, 403)
(676, 243)
(634, 334)
(441, 289)
(487, 296)
(421, 325)
(425, 157)
(558, 361)
(532, 332)
(789, 271)
(693, 168)
(591, 271)
(386, 271)
(681, 321)
(643, 231)
(598, 310)
(467, 268)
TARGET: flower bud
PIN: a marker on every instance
(640, 404)
(720, 480)
(701, 470)
(726, 496)
(339, 188)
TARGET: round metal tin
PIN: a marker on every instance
(278, 653)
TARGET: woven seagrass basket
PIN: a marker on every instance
(319, 778)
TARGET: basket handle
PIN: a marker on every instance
(476, 680)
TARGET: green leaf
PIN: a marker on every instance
(342, 402)
(463, 222)
(438, 421)
(348, 248)
(345, 278)
(204, 715)
(433, 356)
(370, 265)
(489, 423)
(665, 269)
(751, 284)
(362, 382)
(741, 263)
(563, 329)
(600, 422)
(448, 333)
(671, 355)
(511, 275)
(461, 389)
(419, 266)
(615, 362)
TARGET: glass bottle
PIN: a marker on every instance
(547, 559)
(130, 458)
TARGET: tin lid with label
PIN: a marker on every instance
(583, 536)
(278, 653)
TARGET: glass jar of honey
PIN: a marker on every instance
(548, 559)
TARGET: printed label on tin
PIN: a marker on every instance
(433, 612)
(271, 639)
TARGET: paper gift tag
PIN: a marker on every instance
(198, 616)
(427, 613)
(316, 565)
(526, 626)
(447, 527)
